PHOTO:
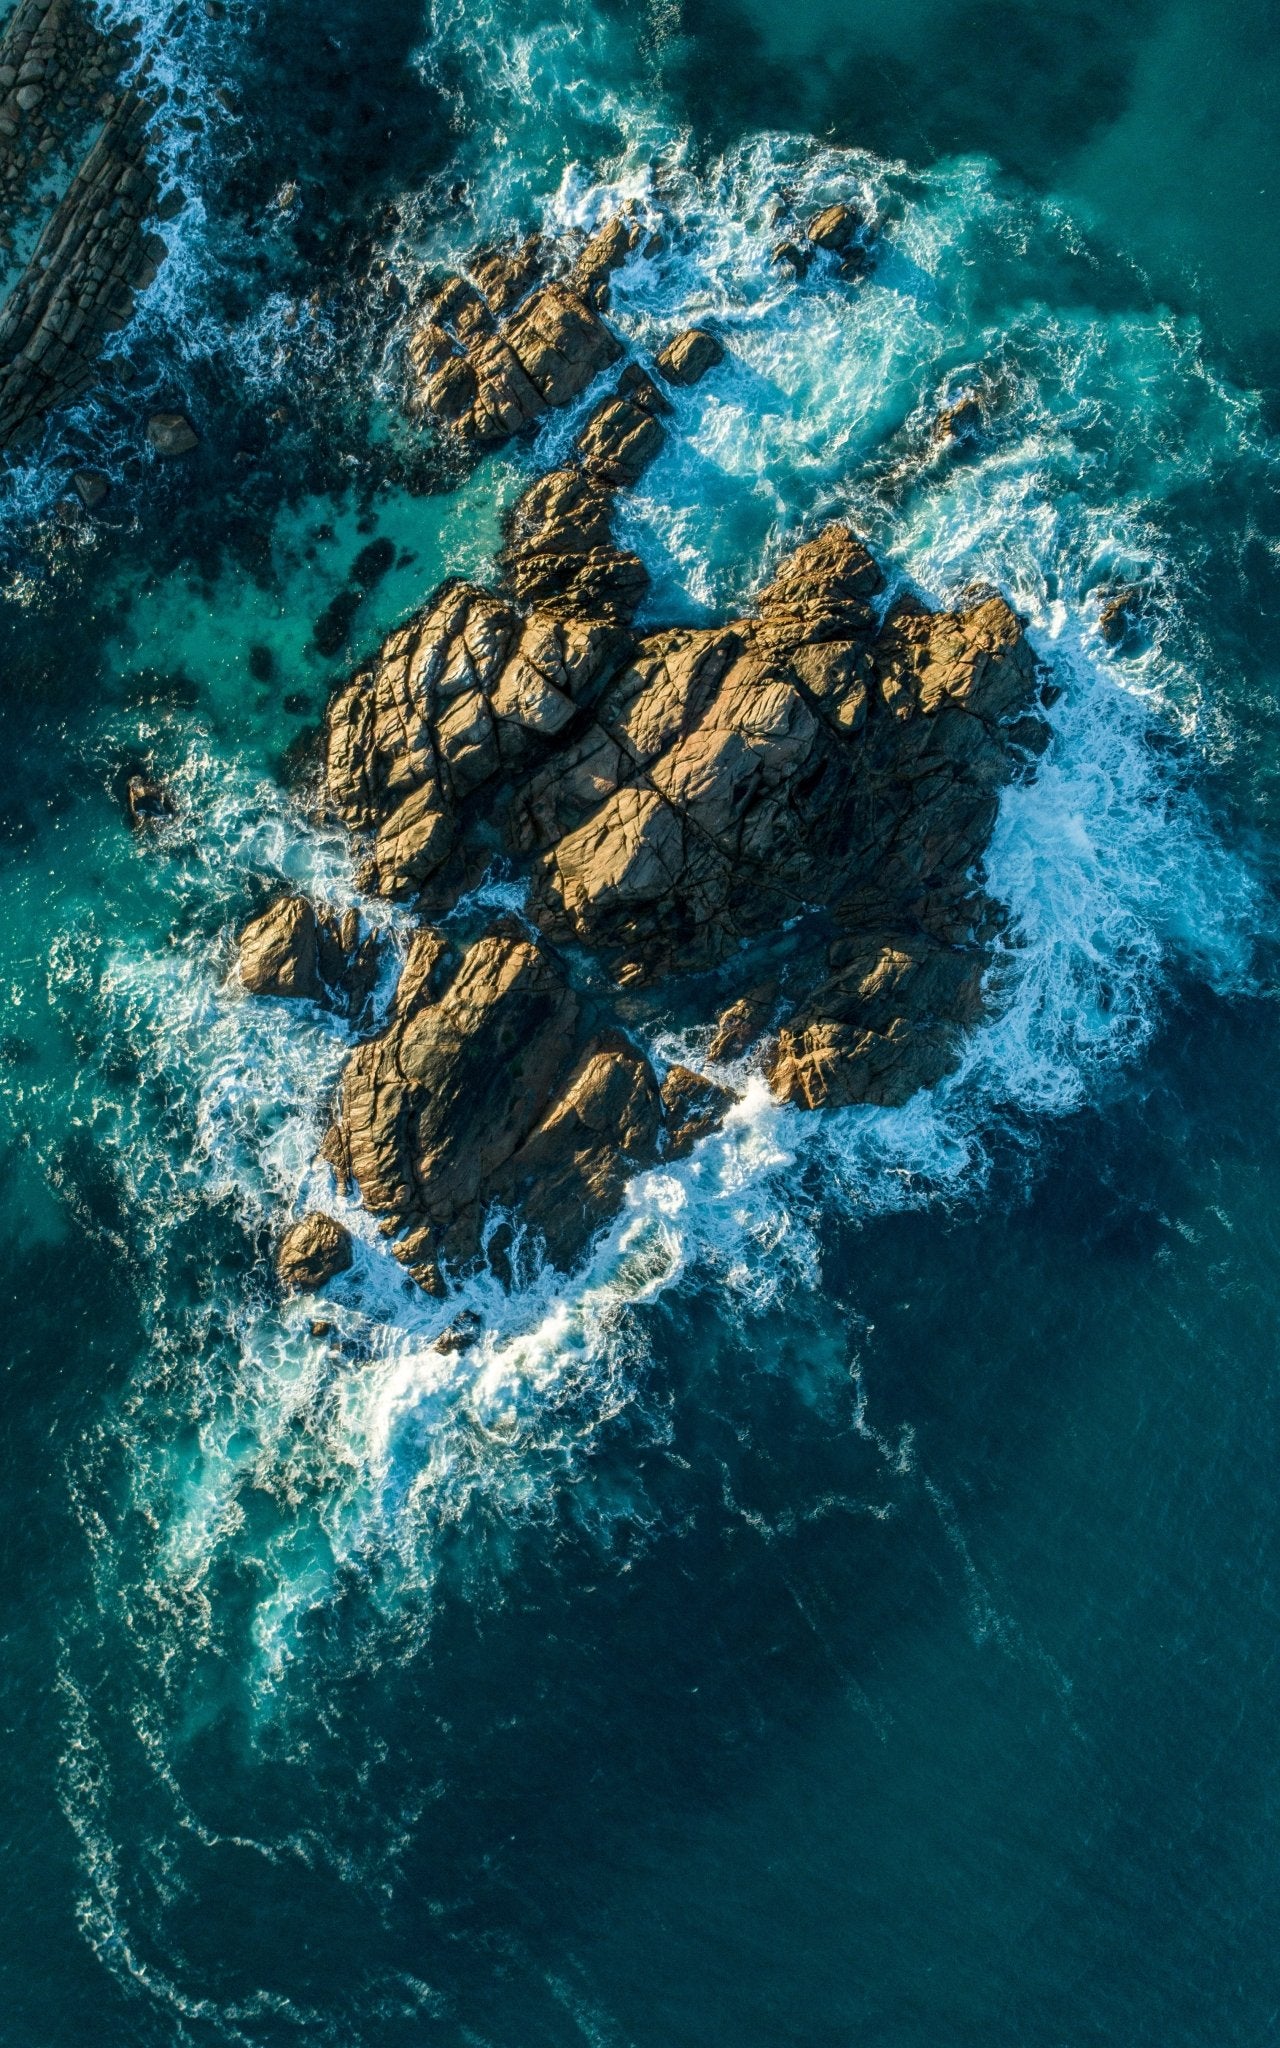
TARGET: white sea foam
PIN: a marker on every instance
(1111, 874)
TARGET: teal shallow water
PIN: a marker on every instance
(845, 1611)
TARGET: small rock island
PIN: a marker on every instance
(771, 827)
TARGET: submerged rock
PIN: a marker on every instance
(147, 801)
(313, 1252)
(171, 434)
(1122, 620)
(91, 487)
(960, 423)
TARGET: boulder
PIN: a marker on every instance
(171, 434)
(619, 441)
(495, 1094)
(91, 487)
(835, 228)
(790, 256)
(280, 951)
(293, 951)
(313, 1252)
(687, 358)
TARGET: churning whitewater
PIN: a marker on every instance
(1107, 865)
(284, 1503)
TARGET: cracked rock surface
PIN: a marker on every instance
(777, 821)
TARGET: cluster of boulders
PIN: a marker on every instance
(56, 63)
(841, 232)
(500, 347)
(96, 250)
(774, 822)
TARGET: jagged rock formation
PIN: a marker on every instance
(95, 252)
(808, 790)
(293, 950)
(496, 351)
(313, 1252)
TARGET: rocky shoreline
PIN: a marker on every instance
(772, 827)
(58, 74)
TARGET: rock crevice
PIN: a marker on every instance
(780, 818)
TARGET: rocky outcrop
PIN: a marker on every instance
(884, 1025)
(495, 1092)
(781, 817)
(496, 350)
(313, 1252)
(294, 951)
(687, 359)
(55, 65)
(96, 251)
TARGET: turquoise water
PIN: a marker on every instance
(843, 1612)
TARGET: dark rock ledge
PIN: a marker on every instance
(777, 822)
(96, 252)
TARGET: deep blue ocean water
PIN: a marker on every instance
(846, 1613)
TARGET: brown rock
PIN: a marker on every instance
(619, 441)
(569, 1176)
(886, 1025)
(560, 342)
(292, 951)
(961, 422)
(280, 951)
(603, 254)
(687, 359)
(505, 274)
(488, 363)
(835, 228)
(790, 256)
(815, 767)
(738, 1027)
(1121, 615)
(694, 1107)
(313, 1252)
